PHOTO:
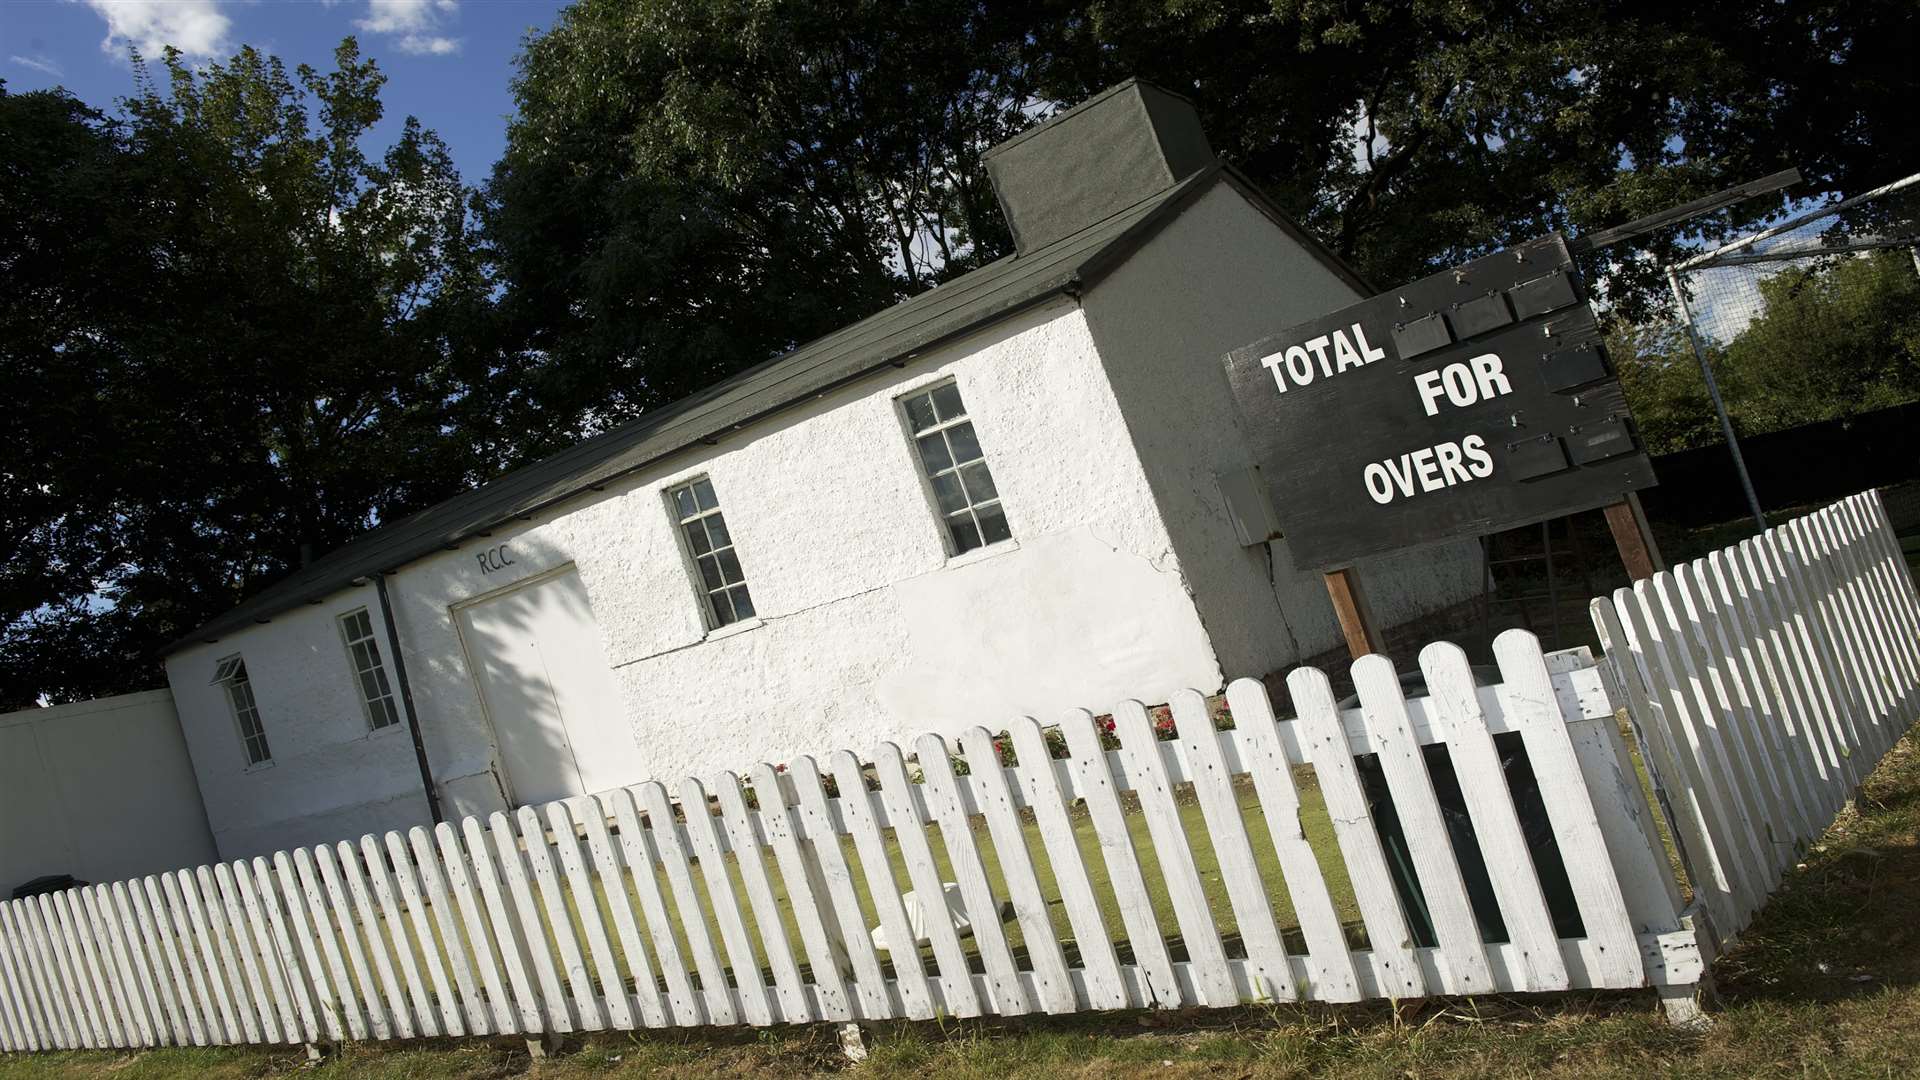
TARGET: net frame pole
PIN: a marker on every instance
(1713, 393)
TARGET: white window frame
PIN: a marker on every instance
(379, 704)
(929, 477)
(230, 674)
(680, 520)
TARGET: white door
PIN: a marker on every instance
(536, 656)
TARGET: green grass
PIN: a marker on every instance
(1825, 984)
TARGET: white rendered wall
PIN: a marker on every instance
(99, 789)
(867, 630)
(1239, 278)
(331, 777)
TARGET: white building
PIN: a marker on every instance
(1003, 496)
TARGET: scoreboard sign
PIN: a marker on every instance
(1468, 402)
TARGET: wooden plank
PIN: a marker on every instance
(537, 856)
(856, 806)
(1734, 846)
(702, 837)
(1008, 994)
(636, 843)
(1875, 556)
(147, 965)
(38, 913)
(531, 938)
(1852, 653)
(1325, 737)
(131, 962)
(209, 954)
(73, 907)
(1812, 620)
(815, 894)
(236, 935)
(1873, 513)
(393, 919)
(1722, 704)
(1094, 778)
(38, 998)
(1875, 665)
(1496, 826)
(1435, 865)
(340, 916)
(910, 832)
(789, 989)
(673, 858)
(1233, 851)
(1749, 700)
(1351, 610)
(307, 906)
(613, 881)
(1040, 788)
(296, 987)
(1888, 659)
(179, 963)
(113, 957)
(379, 949)
(439, 1014)
(500, 1015)
(1329, 962)
(73, 969)
(996, 800)
(1576, 828)
(830, 882)
(1638, 552)
(613, 985)
(277, 1020)
(1683, 807)
(18, 1029)
(1146, 769)
(1819, 719)
(1770, 688)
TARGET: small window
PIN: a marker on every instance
(956, 469)
(363, 652)
(232, 673)
(716, 568)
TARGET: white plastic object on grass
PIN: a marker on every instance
(917, 916)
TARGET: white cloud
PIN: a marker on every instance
(413, 24)
(38, 63)
(195, 27)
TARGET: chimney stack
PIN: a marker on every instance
(1121, 146)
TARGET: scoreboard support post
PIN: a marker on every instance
(1356, 618)
(1631, 534)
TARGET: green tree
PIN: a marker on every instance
(691, 187)
(245, 340)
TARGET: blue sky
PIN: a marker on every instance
(447, 61)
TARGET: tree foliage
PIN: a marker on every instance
(246, 341)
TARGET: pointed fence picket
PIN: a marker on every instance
(1099, 864)
(1765, 681)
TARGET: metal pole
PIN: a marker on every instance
(1719, 406)
(406, 700)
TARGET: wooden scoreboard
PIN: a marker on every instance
(1472, 401)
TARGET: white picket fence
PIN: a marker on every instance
(732, 903)
(1765, 681)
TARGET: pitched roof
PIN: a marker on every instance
(974, 300)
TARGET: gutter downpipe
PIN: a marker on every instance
(406, 700)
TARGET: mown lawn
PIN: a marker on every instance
(1826, 983)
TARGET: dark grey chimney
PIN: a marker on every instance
(1096, 159)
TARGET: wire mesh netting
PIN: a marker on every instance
(1815, 319)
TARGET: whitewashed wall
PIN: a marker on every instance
(73, 776)
(867, 629)
(331, 776)
(1240, 277)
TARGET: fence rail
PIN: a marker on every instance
(1765, 681)
(1465, 839)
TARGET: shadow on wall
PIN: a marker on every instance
(536, 661)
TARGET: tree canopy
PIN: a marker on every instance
(245, 341)
(248, 337)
